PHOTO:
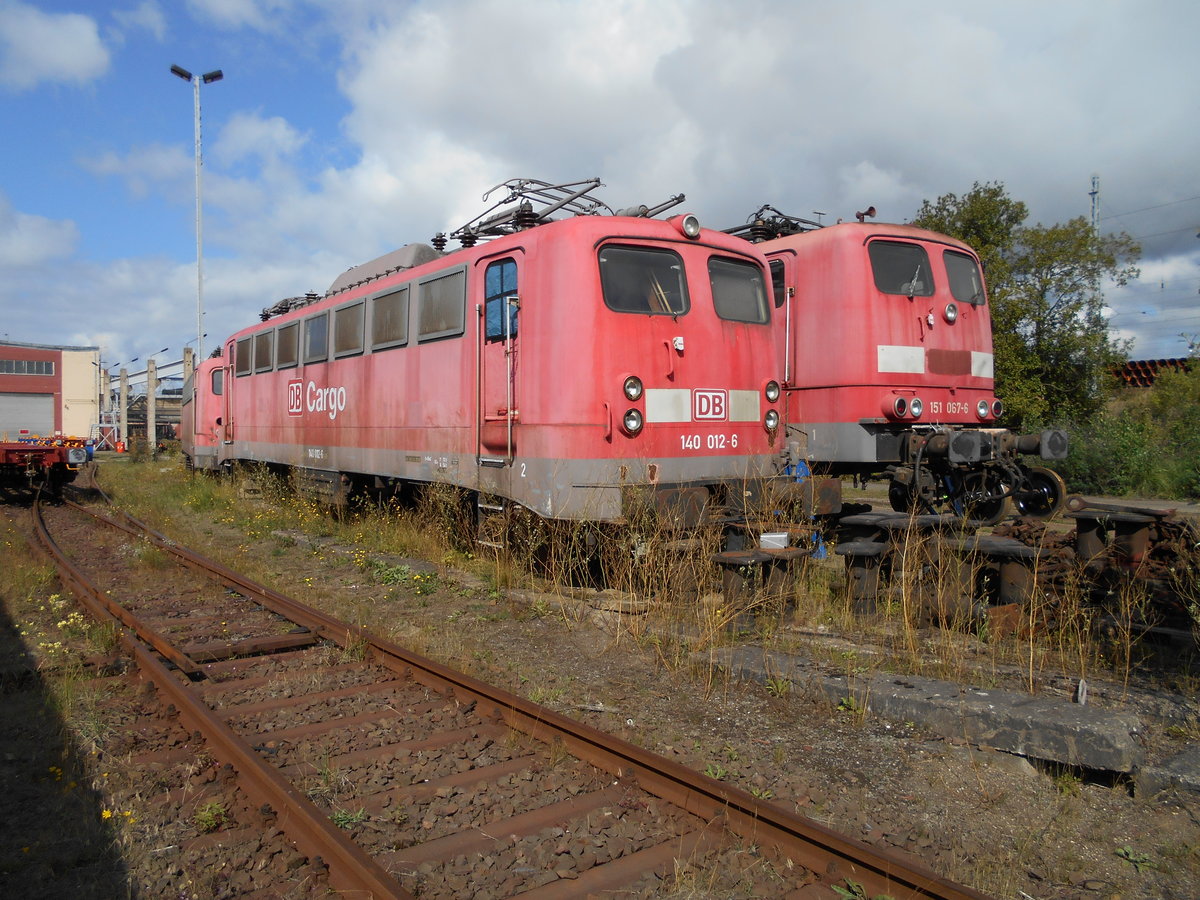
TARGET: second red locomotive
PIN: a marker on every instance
(884, 333)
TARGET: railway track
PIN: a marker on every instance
(393, 776)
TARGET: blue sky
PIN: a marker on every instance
(346, 128)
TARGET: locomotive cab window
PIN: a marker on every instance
(389, 319)
(643, 280)
(348, 329)
(263, 342)
(738, 290)
(316, 338)
(443, 303)
(778, 287)
(966, 284)
(500, 299)
(218, 382)
(243, 357)
(901, 268)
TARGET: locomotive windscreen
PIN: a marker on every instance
(965, 282)
(901, 268)
(643, 280)
(738, 290)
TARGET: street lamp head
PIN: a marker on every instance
(181, 72)
(214, 75)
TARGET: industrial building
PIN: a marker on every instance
(48, 391)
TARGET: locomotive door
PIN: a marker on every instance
(230, 368)
(499, 339)
(784, 300)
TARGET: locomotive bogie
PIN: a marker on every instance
(568, 368)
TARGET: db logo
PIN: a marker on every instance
(296, 398)
(710, 405)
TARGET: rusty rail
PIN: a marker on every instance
(831, 855)
(350, 869)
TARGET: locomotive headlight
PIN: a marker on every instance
(981, 409)
(898, 408)
(951, 312)
(916, 407)
(633, 388)
(771, 420)
(997, 408)
(633, 421)
(772, 391)
(688, 225)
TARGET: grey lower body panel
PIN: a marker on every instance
(837, 442)
(577, 489)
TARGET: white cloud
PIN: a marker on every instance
(261, 15)
(147, 16)
(146, 169)
(1160, 306)
(37, 47)
(539, 89)
(28, 241)
(248, 135)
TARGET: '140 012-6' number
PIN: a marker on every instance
(707, 442)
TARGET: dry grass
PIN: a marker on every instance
(666, 571)
(55, 839)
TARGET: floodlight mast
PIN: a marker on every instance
(196, 80)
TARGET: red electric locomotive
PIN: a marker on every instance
(885, 338)
(583, 368)
(200, 419)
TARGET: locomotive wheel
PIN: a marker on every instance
(901, 498)
(986, 511)
(1045, 496)
(989, 512)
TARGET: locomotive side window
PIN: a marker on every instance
(500, 296)
(901, 268)
(389, 319)
(443, 303)
(348, 329)
(287, 346)
(218, 382)
(243, 356)
(738, 291)
(966, 284)
(262, 351)
(643, 280)
(778, 288)
(316, 338)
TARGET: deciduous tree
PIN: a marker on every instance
(1053, 349)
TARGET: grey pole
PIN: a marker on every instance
(207, 78)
